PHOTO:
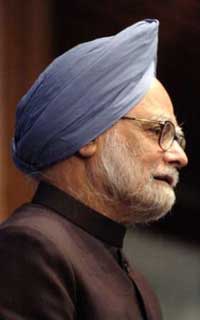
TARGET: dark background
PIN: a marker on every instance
(35, 32)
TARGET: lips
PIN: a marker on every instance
(166, 178)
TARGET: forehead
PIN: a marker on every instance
(155, 105)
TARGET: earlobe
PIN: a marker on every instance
(88, 150)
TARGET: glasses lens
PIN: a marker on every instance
(167, 135)
(182, 141)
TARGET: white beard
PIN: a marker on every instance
(127, 182)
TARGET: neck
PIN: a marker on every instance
(74, 177)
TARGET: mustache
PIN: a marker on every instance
(171, 175)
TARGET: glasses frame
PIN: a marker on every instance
(175, 136)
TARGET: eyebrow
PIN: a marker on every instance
(179, 130)
(161, 117)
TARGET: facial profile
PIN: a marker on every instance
(135, 171)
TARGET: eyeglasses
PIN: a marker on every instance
(166, 132)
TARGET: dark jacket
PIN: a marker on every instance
(52, 268)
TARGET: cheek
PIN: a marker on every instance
(145, 149)
(150, 159)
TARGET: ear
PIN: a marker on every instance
(88, 150)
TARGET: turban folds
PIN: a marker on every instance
(82, 93)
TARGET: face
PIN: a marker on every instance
(136, 173)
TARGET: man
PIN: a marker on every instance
(98, 131)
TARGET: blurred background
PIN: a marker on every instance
(32, 33)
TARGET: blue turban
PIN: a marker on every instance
(82, 93)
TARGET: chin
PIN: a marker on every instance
(151, 207)
(161, 201)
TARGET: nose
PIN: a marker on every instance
(176, 156)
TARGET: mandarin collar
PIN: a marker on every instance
(86, 218)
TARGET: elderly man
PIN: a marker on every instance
(98, 132)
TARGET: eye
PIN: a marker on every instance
(156, 130)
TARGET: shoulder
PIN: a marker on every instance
(39, 223)
(36, 225)
(33, 269)
(33, 232)
(30, 233)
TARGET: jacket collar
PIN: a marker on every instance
(86, 218)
